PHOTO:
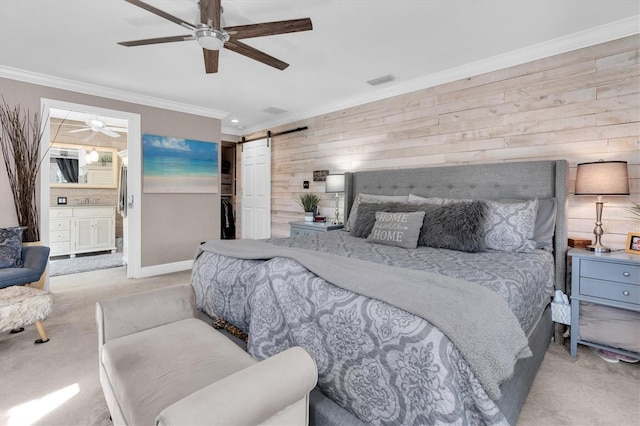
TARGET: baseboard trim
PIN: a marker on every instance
(166, 268)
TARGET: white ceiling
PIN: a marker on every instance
(72, 44)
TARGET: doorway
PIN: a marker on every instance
(81, 204)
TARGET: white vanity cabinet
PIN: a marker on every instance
(82, 229)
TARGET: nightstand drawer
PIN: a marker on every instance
(610, 290)
(610, 271)
(298, 231)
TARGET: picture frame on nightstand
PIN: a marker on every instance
(633, 243)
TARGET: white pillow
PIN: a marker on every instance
(371, 198)
(416, 199)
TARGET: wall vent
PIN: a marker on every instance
(381, 80)
(274, 110)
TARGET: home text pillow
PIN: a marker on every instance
(397, 229)
(370, 198)
(10, 247)
(367, 215)
(455, 226)
(510, 226)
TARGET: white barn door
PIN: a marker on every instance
(256, 189)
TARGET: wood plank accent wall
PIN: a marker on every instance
(580, 106)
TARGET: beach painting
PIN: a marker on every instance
(173, 165)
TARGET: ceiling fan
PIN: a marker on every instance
(97, 125)
(212, 36)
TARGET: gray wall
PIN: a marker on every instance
(172, 224)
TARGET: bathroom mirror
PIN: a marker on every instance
(81, 166)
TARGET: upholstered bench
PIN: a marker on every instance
(160, 364)
(21, 306)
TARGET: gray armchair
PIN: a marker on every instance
(34, 260)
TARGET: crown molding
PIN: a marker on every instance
(601, 34)
(105, 92)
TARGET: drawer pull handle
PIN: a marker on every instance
(626, 274)
(626, 293)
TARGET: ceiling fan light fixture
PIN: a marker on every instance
(210, 38)
(92, 156)
(95, 124)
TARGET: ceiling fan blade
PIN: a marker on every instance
(79, 130)
(162, 14)
(110, 133)
(269, 28)
(211, 60)
(210, 13)
(250, 52)
(118, 129)
(157, 40)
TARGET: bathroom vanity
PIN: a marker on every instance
(82, 229)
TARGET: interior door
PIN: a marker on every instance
(256, 189)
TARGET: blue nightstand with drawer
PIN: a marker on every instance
(610, 279)
(307, 228)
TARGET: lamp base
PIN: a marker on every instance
(598, 249)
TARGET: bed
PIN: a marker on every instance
(391, 349)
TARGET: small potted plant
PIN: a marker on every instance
(308, 201)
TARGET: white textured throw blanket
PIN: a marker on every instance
(477, 320)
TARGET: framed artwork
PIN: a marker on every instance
(633, 243)
(172, 166)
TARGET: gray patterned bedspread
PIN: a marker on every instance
(381, 363)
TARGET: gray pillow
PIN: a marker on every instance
(454, 226)
(545, 221)
(397, 229)
(510, 226)
(367, 215)
(10, 247)
(370, 198)
(545, 227)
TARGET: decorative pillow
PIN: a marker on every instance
(10, 247)
(367, 215)
(397, 229)
(545, 222)
(455, 226)
(370, 198)
(510, 226)
(416, 199)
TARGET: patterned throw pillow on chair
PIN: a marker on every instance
(10, 247)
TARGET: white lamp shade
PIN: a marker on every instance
(334, 183)
(602, 178)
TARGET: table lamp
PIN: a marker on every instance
(335, 184)
(601, 178)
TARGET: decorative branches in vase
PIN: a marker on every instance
(20, 139)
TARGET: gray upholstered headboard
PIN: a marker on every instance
(521, 180)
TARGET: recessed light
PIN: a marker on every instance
(235, 120)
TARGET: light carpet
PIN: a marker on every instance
(84, 263)
(57, 383)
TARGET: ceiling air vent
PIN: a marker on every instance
(274, 110)
(381, 80)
